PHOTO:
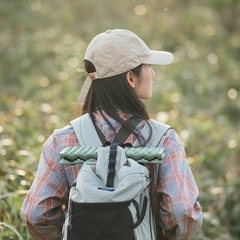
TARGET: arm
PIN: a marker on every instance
(43, 207)
(180, 213)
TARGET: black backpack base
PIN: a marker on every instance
(109, 221)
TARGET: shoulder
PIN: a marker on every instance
(63, 132)
(61, 138)
(155, 130)
(159, 127)
(169, 137)
(168, 132)
(172, 145)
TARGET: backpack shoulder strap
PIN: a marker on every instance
(123, 132)
(83, 126)
(88, 136)
(85, 131)
(158, 130)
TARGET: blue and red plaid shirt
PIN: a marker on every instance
(43, 210)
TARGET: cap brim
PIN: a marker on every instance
(159, 58)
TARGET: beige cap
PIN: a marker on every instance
(117, 51)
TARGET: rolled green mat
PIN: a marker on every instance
(76, 155)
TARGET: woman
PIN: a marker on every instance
(117, 63)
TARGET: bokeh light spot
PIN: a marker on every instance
(140, 9)
(44, 82)
(6, 142)
(232, 93)
(232, 143)
(45, 107)
(162, 117)
(228, 176)
(209, 30)
(3, 152)
(20, 172)
(18, 112)
(63, 75)
(41, 138)
(189, 160)
(212, 58)
(50, 33)
(174, 113)
(184, 134)
(11, 177)
(35, 5)
(23, 182)
(54, 119)
(175, 97)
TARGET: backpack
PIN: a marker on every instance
(109, 199)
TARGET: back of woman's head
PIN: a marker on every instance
(113, 94)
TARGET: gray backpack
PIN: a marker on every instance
(109, 199)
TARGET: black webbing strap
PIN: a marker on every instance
(120, 137)
(123, 133)
(111, 164)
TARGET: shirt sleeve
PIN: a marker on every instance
(180, 214)
(43, 207)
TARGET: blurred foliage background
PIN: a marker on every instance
(42, 44)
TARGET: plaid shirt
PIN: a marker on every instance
(180, 215)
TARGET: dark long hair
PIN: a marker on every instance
(114, 94)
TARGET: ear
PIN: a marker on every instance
(131, 79)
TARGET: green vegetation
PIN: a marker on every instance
(41, 47)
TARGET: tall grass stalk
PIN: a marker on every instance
(12, 229)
